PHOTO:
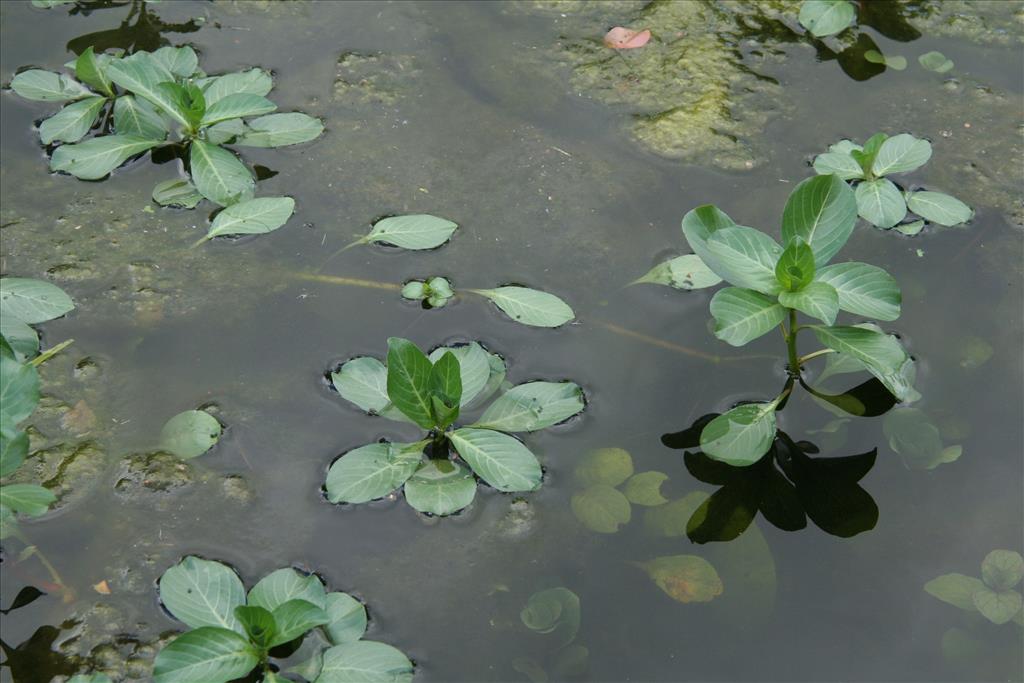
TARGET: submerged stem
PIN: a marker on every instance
(50, 353)
(361, 240)
(820, 352)
(794, 360)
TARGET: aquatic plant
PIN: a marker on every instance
(190, 434)
(163, 99)
(522, 304)
(554, 614)
(601, 505)
(826, 17)
(879, 200)
(234, 633)
(431, 392)
(993, 595)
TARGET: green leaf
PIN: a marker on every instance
(23, 339)
(645, 489)
(96, 157)
(474, 367)
(935, 61)
(13, 450)
(900, 154)
(684, 578)
(939, 208)
(555, 611)
(956, 589)
(219, 175)
(997, 606)
(294, 618)
(498, 459)
(347, 618)
(252, 217)
(532, 406)
(607, 466)
(19, 392)
(142, 75)
(364, 381)
(136, 117)
(225, 131)
(910, 229)
(372, 471)
(47, 86)
(740, 436)
(1002, 569)
(882, 355)
(93, 677)
(880, 203)
(205, 655)
(863, 289)
(202, 593)
(190, 434)
(253, 82)
(258, 623)
(408, 381)
(698, 226)
(282, 585)
(795, 268)
(446, 384)
(417, 231)
(746, 258)
(440, 487)
(822, 210)
(896, 62)
(682, 272)
(742, 315)
(177, 192)
(838, 163)
(818, 300)
(601, 508)
(365, 661)
(33, 301)
(866, 155)
(8, 522)
(826, 17)
(529, 306)
(180, 61)
(495, 378)
(89, 68)
(27, 499)
(279, 130)
(237, 106)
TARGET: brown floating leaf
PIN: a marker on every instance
(686, 578)
(620, 38)
(103, 588)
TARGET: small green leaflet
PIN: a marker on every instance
(839, 163)
(682, 272)
(278, 130)
(372, 471)
(742, 315)
(1002, 569)
(880, 202)
(795, 268)
(252, 217)
(294, 617)
(219, 175)
(474, 367)
(529, 306)
(177, 192)
(900, 154)
(408, 381)
(96, 157)
(498, 459)
(440, 487)
(190, 434)
(740, 436)
(33, 301)
(72, 122)
(532, 406)
(826, 17)
(418, 231)
(939, 208)
(47, 86)
(142, 75)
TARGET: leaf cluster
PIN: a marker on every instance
(993, 595)
(234, 632)
(431, 392)
(136, 103)
(434, 292)
(879, 200)
(603, 506)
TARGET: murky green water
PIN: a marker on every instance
(482, 113)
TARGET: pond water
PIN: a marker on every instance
(491, 114)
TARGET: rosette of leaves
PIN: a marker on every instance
(434, 293)
(431, 393)
(879, 200)
(610, 488)
(149, 100)
(522, 304)
(994, 595)
(235, 634)
(23, 303)
(773, 284)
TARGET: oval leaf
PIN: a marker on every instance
(529, 306)
(72, 122)
(863, 289)
(347, 618)
(698, 225)
(838, 163)
(33, 301)
(474, 367)
(685, 578)
(372, 471)
(283, 585)
(498, 459)
(278, 130)
(137, 117)
(293, 618)
(532, 406)
(682, 272)
(881, 354)
(935, 61)
(607, 466)
(818, 300)
(408, 381)
(177, 192)
(939, 208)
(742, 315)
(418, 231)
(440, 487)
(823, 211)
(746, 258)
(826, 17)
(47, 86)
(202, 593)
(236, 106)
(27, 499)
(253, 82)
(900, 154)
(997, 606)
(880, 203)
(19, 392)
(253, 217)
(956, 589)
(740, 436)
(645, 489)
(190, 434)
(205, 655)
(1002, 569)
(364, 661)
(96, 157)
(219, 175)
(601, 508)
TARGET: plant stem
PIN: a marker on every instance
(822, 352)
(50, 353)
(794, 360)
(66, 592)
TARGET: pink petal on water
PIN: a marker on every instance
(620, 38)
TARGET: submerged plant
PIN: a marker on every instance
(879, 200)
(554, 614)
(994, 595)
(234, 633)
(149, 100)
(431, 392)
(603, 506)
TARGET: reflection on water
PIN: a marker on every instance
(141, 29)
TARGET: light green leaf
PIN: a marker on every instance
(253, 82)
(372, 471)
(795, 268)
(935, 61)
(845, 147)
(529, 306)
(553, 611)
(1002, 569)
(177, 192)
(142, 75)
(89, 68)
(282, 585)
(258, 623)
(294, 618)
(417, 231)
(408, 381)
(279, 130)
(27, 499)
(997, 606)
(365, 661)
(607, 466)
(644, 488)
(33, 301)
(956, 589)
(252, 217)
(495, 378)
(190, 434)
(202, 593)
(682, 272)
(863, 289)
(225, 131)
(13, 450)
(913, 436)
(19, 392)
(96, 157)
(882, 355)
(684, 578)
(880, 203)
(347, 619)
(910, 229)
(47, 86)
(446, 385)
(474, 367)
(532, 406)
(205, 655)
(219, 175)
(237, 106)
(136, 117)
(866, 155)
(939, 208)
(23, 339)
(896, 62)
(601, 508)
(740, 436)
(698, 226)
(822, 210)
(180, 61)
(440, 487)
(746, 258)
(818, 300)
(826, 17)
(742, 315)
(838, 163)
(900, 154)
(364, 381)
(498, 459)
